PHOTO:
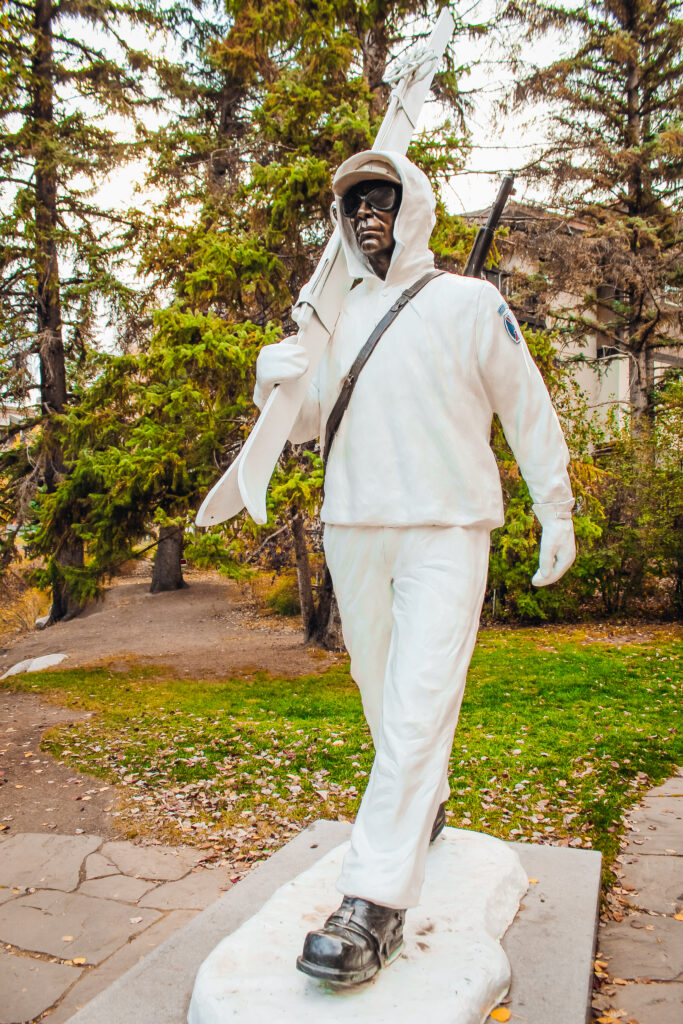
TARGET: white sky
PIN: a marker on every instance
(496, 148)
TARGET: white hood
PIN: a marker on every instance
(415, 220)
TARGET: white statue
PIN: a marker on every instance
(411, 495)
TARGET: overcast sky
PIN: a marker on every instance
(496, 147)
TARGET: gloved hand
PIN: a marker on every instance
(558, 546)
(277, 363)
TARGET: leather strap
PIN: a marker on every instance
(344, 397)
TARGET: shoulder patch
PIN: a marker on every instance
(510, 323)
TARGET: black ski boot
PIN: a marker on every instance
(439, 823)
(354, 943)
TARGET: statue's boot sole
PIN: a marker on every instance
(439, 823)
(343, 978)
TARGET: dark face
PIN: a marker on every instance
(374, 229)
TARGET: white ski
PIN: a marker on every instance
(245, 483)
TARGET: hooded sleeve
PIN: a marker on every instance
(520, 398)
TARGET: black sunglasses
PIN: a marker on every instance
(378, 197)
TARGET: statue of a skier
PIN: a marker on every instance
(411, 495)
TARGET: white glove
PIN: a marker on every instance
(277, 363)
(558, 546)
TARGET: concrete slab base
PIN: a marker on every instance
(451, 949)
(550, 944)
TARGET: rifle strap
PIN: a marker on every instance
(344, 397)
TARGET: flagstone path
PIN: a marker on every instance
(78, 911)
(640, 957)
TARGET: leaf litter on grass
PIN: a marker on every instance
(553, 745)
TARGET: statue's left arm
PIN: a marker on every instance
(520, 398)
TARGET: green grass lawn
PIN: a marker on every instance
(557, 738)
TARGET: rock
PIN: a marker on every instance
(194, 892)
(29, 986)
(651, 1004)
(68, 925)
(44, 862)
(117, 887)
(153, 862)
(638, 952)
(35, 664)
(657, 881)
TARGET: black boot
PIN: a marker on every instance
(354, 943)
(439, 822)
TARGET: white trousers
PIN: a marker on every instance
(410, 600)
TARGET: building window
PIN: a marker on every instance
(500, 278)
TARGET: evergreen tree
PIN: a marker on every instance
(614, 165)
(272, 100)
(66, 70)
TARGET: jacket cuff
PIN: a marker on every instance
(549, 511)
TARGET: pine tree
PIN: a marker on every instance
(614, 167)
(273, 100)
(67, 69)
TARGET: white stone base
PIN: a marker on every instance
(452, 968)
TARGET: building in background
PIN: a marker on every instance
(602, 371)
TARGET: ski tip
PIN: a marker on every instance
(222, 502)
(257, 512)
(204, 518)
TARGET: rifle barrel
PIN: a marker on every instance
(484, 240)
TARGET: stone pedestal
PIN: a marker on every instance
(550, 944)
(451, 961)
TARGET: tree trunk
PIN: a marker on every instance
(375, 47)
(320, 618)
(47, 294)
(64, 604)
(641, 386)
(328, 629)
(303, 572)
(168, 572)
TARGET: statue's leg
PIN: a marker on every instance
(439, 578)
(361, 573)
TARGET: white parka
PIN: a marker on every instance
(413, 446)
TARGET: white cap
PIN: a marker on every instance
(365, 166)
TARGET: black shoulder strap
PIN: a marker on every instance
(339, 408)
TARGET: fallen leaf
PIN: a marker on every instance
(533, 881)
(619, 981)
(500, 1013)
(678, 917)
(79, 960)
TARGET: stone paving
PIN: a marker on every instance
(644, 951)
(76, 912)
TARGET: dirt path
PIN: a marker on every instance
(212, 628)
(37, 793)
(209, 629)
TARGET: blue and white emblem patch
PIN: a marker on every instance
(509, 322)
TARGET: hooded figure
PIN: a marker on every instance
(411, 494)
